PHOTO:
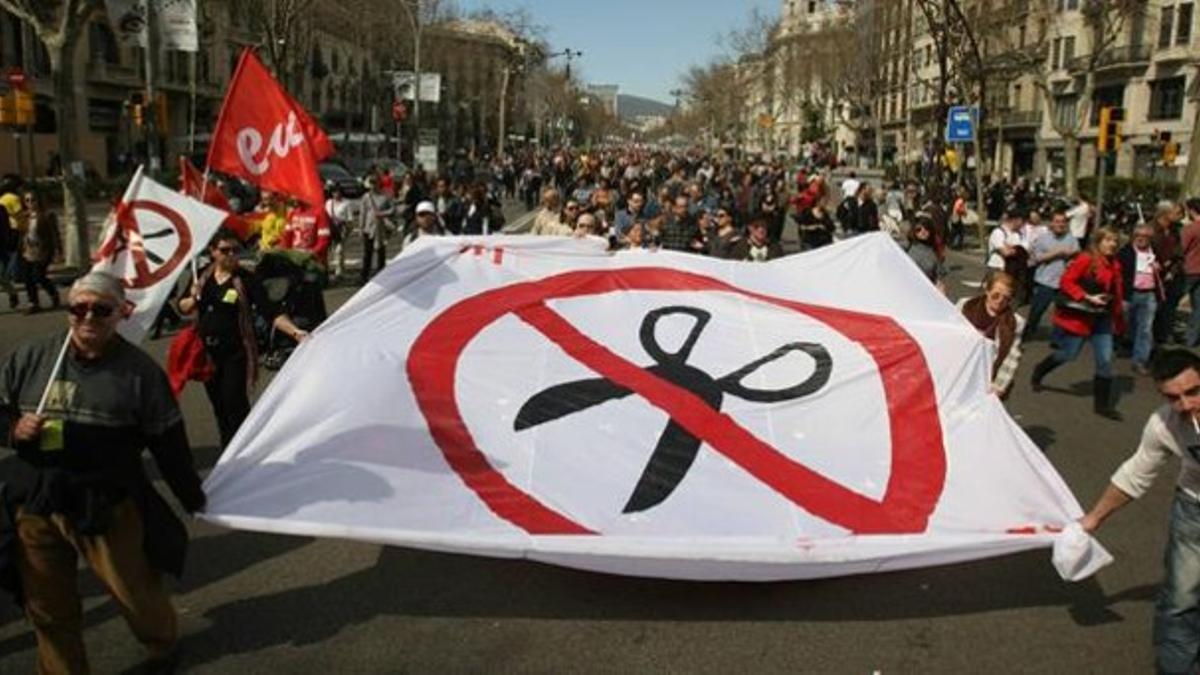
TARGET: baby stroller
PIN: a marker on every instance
(293, 281)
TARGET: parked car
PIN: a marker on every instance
(335, 175)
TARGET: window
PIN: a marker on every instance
(1166, 99)
(1065, 114)
(1111, 96)
(1068, 51)
(1165, 23)
(1184, 21)
(1016, 98)
(1056, 53)
(102, 43)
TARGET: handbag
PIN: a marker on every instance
(1090, 286)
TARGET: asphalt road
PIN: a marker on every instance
(260, 603)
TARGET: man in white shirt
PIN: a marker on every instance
(1079, 216)
(1006, 241)
(1172, 430)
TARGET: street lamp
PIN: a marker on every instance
(569, 54)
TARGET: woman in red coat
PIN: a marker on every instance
(1089, 308)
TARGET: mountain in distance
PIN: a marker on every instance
(635, 106)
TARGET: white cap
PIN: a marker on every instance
(426, 207)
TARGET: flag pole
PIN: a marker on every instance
(192, 92)
(62, 353)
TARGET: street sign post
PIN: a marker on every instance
(960, 124)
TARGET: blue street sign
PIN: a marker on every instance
(960, 124)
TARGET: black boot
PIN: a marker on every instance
(1102, 403)
(1041, 370)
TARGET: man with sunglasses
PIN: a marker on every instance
(76, 484)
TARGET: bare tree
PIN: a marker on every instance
(285, 28)
(1068, 88)
(59, 26)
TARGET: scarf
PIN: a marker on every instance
(1002, 329)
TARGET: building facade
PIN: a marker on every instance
(338, 67)
(1039, 57)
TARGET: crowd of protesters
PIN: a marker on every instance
(1051, 254)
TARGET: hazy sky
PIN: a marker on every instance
(641, 45)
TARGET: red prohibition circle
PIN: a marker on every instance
(128, 227)
(918, 466)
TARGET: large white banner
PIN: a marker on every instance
(148, 241)
(650, 413)
(176, 21)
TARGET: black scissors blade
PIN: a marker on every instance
(563, 399)
(673, 456)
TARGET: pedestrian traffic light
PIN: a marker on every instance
(1111, 118)
(139, 115)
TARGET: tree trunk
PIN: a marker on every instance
(62, 70)
(1070, 177)
(980, 190)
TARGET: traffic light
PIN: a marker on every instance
(1111, 118)
(139, 115)
(1170, 153)
(26, 111)
(8, 108)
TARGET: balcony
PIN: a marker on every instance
(1125, 58)
(1021, 118)
(109, 73)
(1173, 54)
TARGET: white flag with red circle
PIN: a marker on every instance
(655, 414)
(148, 241)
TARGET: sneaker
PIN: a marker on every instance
(32, 309)
(1139, 369)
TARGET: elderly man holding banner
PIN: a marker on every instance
(80, 408)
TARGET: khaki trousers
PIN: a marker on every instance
(49, 550)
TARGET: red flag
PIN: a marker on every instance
(266, 137)
(192, 184)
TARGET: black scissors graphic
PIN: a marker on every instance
(677, 448)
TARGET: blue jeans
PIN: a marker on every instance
(1177, 611)
(1043, 297)
(1193, 291)
(1140, 307)
(1070, 345)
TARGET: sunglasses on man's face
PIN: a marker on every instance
(80, 310)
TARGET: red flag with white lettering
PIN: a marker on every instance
(266, 137)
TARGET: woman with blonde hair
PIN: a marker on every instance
(1089, 308)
